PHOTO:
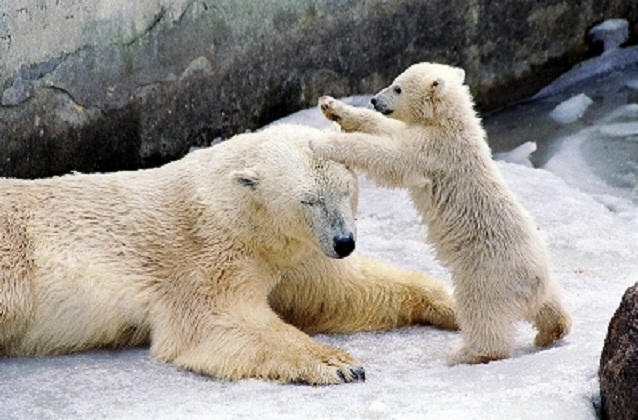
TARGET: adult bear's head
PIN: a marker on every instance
(299, 197)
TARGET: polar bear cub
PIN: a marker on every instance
(434, 145)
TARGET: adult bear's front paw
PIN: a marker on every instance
(329, 366)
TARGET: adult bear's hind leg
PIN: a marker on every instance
(16, 301)
(361, 294)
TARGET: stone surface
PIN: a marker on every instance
(618, 372)
(105, 85)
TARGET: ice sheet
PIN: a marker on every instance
(572, 109)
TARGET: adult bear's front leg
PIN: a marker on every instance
(255, 343)
(236, 335)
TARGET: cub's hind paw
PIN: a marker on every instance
(469, 356)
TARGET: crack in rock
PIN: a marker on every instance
(154, 23)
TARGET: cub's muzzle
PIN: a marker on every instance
(379, 106)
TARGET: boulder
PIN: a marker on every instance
(119, 84)
(618, 373)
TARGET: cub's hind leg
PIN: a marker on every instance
(552, 322)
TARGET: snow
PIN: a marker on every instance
(591, 226)
(593, 239)
(619, 130)
(572, 109)
(520, 154)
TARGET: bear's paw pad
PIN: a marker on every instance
(330, 108)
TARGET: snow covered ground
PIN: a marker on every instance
(591, 225)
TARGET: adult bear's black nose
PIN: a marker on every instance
(373, 101)
(344, 245)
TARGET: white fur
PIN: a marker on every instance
(434, 145)
(218, 260)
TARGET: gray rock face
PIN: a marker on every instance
(618, 372)
(106, 85)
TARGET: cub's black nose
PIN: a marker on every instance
(344, 245)
(373, 101)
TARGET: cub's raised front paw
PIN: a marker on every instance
(331, 108)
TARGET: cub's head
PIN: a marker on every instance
(300, 199)
(424, 91)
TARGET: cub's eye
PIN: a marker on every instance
(308, 202)
(397, 90)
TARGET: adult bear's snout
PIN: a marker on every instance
(344, 245)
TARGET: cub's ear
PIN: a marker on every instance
(246, 177)
(437, 87)
(460, 74)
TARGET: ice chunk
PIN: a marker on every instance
(519, 155)
(568, 163)
(572, 109)
(590, 69)
(619, 129)
(614, 58)
(629, 111)
(612, 33)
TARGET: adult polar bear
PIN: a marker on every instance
(434, 144)
(215, 259)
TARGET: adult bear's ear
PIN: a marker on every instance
(246, 177)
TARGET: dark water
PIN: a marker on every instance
(605, 138)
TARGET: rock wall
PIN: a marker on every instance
(618, 372)
(97, 85)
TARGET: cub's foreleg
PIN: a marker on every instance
(356, 119)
